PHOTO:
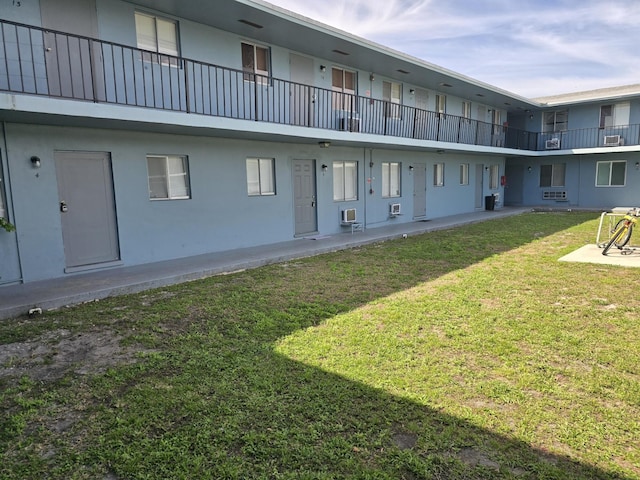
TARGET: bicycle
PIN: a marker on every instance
(621, 233)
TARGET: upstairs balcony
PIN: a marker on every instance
(54, 64)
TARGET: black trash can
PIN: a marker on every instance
(489, 202)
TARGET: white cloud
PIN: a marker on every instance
(530, 47)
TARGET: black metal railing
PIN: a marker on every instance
(56, 64)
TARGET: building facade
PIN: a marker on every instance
(135, 132)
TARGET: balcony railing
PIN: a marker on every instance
(55, 64)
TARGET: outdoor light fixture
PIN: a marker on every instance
(35, 162)
(323, 68)
(637, 165)
(529, 169)
(411, 168)
(412, 92)
(372, 77)
(324, 167)
(324, 144)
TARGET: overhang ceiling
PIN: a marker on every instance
(269, 24)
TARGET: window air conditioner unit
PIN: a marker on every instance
(613, 140)
(350, 124)
(552, 144)
(394, 209)
(349, 215)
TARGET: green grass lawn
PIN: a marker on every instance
(470, 353)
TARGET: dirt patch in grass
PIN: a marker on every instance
(54, 354)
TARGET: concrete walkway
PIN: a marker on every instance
(628, 257)
(16, 300)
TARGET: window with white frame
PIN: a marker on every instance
(392, 95)
(466, 110)
(255, 63)
(390, 179)
(614, 115)
(168, 177)
(494, 172)
(441, 103)
(261, 178)
(343, 86)
(611, 174)
(552, 175)
(438, 175)
(556, 121)
(464, 174)
(345, 181)
(158, 35)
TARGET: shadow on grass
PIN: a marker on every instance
(211, 398)
(282, 419)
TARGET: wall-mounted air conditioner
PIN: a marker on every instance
(613, 140)
(349, 215)
(394, 209)
(552, 144)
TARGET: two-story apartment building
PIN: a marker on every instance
(139, 131)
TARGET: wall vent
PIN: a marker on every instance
(554, 195)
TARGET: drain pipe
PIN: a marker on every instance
(9, 197)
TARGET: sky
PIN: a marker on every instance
(531, 48)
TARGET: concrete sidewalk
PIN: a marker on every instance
(17, 300)
(629, 257)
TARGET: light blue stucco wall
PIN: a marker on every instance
(27, 12)
(592, 196)
(580, 181)
(219, 215)
(584, 116)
